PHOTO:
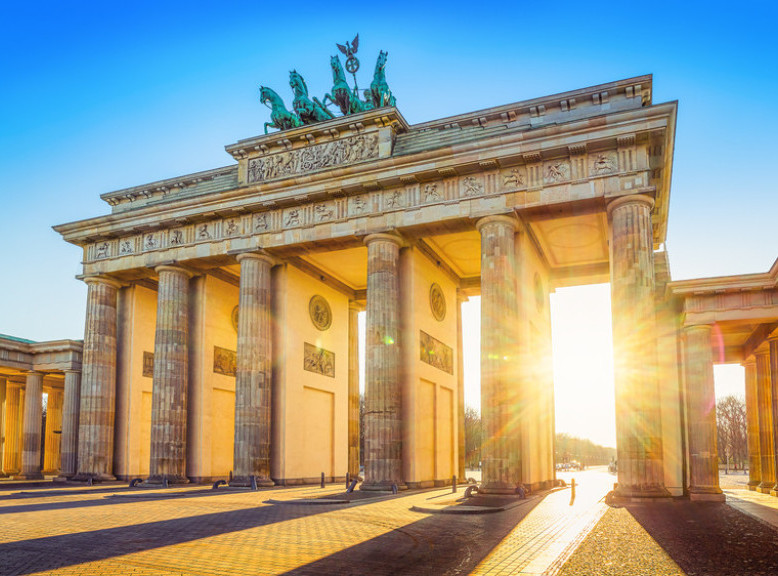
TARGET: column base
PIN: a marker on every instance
(706, 497)
(245, 482)
(641, 493)
(86, 476)
(381, 486)
(764, 488)
(753, 485)
(29, 476)
(171, 478)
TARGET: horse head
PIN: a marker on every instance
(337, 68)
(297, 83)
(381, 62)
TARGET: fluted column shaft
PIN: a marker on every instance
(31, 436)
(13, 429)
(53, 440)
(461, 299)
(70, 407)
(98, 382)
(383, 391)
(3, 387)
(638, 420)
(353, 389)
(701, 413)
(500, 394)
(764, 405)
(171, 373)
(752, 423)
(254, 372)
(774, 407)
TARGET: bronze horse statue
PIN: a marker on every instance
(309, 110)
(342, 95)
(379, 89)
(280, 117)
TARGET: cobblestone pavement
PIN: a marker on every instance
(111, 529)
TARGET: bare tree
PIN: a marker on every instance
(732, 431)
(473, 437)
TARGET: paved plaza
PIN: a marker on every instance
(112, 529)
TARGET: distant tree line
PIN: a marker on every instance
(569, 448)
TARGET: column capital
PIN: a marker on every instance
(693, 327)
(261, 256)
(461, 296)
(173, 268)
(104, 280)
(503, 219)
(630, 199)
(750, 361)
(762, 353)
(354, 305)
(71, 371)
(383, 237)
(772, 338)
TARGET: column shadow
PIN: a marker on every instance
(49, 553)
(437, 544)
(710, 538)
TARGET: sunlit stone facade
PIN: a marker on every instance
(221, 329)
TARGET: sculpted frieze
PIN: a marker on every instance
(312, 158)
(526, 176)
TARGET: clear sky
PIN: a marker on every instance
(97, 97)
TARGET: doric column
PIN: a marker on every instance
(253, 380)
(774, 406)
(461, 299)
(13, 429)
(98, 382)
(171, 364)
(752, 423)
(3, 387)
(353, 388)
(638, 420)
(383, 390)
(31, 436)
(70, 407)
(701, 415)
(764, 405)
(500, 394)
(53, 439)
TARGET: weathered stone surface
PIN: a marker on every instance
(752, 423)
(353, 389)
(70, 415)
(253, 381)
(383, 393)
(764, 401)
(98, 382)
(638, 425)
(171, 371)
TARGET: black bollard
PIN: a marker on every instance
(351, 487)
(217, 484)
(322, 479)
(90, 481)
(253, 482)
(348, 479)
(165, 483)
(454, 484)
(394, 488)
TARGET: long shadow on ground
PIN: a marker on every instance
(438, 544)
(40, 554)
(706, 538)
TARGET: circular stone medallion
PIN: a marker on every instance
(437, 302)
(321, 314)
(234, 318)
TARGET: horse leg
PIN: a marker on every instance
(269, 124)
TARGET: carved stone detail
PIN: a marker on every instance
(148, 364)
(556, 171)
(437, 302)
(514, 178)
(319, 360)
(176, 237)
(431, 193)
(320, 312)
(394, 199)
(472, 186)
(225, 361)
(311, 158)
(435, 353)
(261, 222)
(292, 218)
(604, 163)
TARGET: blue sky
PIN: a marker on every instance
(96, 97)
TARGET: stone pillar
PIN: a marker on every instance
(701, 415)
(764, 405)
(254, 373)
(774, 407)
(98, 382)
(353, 388)
(70, 406)
(31, 437)
(13, 429)
(169, 392)
(53, 438)
(383, 389)
(3, 386)
(638, 420)
(500, 393)
(752, 422)
(461, 299)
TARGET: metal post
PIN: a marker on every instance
(322, 479)
(454, 484)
